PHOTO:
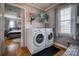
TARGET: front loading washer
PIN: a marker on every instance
(35, 40)
(49, 37)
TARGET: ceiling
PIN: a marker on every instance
(44, 6)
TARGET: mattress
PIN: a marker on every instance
(14, 34)
(14, 31)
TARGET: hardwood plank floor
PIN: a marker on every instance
(14, 49)
(61, 52)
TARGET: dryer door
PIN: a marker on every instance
(50, 36)
(38, 39)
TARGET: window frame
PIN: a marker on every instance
(58, 29)
(11, 24)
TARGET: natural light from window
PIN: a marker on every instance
(65, 20)
(11, 24)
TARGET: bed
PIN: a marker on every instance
(14, 33)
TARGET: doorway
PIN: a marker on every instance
(13, 29)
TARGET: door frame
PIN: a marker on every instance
(2, 31)
(22, 22)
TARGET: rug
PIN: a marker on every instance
(50, 51)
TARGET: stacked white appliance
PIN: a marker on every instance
(35, 39)
(39, 39)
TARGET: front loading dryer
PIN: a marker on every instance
(35, 40)
(49, 37)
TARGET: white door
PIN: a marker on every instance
(50, 37)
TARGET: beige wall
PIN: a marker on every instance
(30, 9)
(2, 46)
(51, 20)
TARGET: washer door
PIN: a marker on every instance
(50, 37)
(38, 39)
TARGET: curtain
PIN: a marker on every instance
(73, 20)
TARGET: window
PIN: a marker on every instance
(64, 20)
(11, 24)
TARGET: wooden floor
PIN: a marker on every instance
(61, 52)
(14, 49)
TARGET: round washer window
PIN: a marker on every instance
(39, 38)
(50, 36)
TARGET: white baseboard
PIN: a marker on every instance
(60, 45)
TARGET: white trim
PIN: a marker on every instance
(51, 7)
(60, 45)
(18, 6)
(35, 6)
(41, 8)
(22, 21)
